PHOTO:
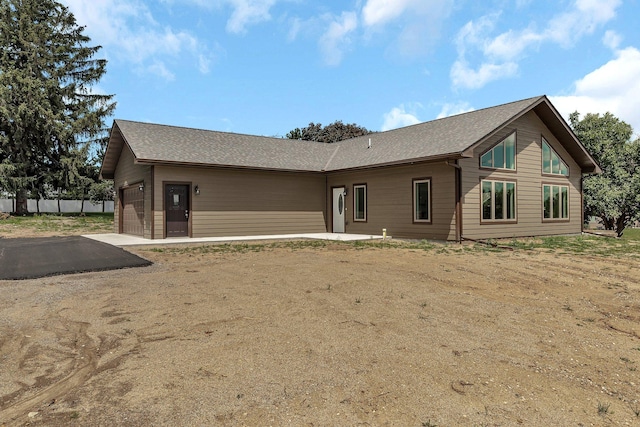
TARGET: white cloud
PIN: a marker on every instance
(126, 29)
(244, 12)
(612, 39)
(587, 15)
(500, 53)
(159, 69)
(399, 117)
(295, 25)
(614, 87)
(204, 64)
(248, 12)
(414, 25)
(452, 109)
(336, 38)
(420, 22)
(510, 45)
(377, 12)
(464, 76)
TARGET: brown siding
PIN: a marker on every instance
(529, 179)
(244, 202)
(127, 173)
(390, 200)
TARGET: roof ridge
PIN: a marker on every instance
(207, 130)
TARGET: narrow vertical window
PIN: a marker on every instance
(502, 155)
(422, 200)
(360, 202)
(555, 201)
(498, 197)
(498, 200)
(511, 200)
(487, 206)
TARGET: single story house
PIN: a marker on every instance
(506, 171)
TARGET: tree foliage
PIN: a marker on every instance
(50, 119)
(336, 131)
(614, 195)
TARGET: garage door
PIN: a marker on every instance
(133, 211)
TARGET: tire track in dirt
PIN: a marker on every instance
(85, 367)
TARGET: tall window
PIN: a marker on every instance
(551, 161)
(502, 155)
(498, 200)
(555, 201)
(360, 202)
(422, 200)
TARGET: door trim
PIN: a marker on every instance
(164, 206)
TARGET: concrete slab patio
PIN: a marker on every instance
(127, 240)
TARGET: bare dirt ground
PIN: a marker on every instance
(334, 335)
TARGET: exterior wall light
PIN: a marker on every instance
(196, 189)
(141, 186)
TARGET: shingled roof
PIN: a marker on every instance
(451, 137)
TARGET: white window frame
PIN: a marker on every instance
(553, 152)
(504, 154)
(415, 184)
(563, 211)
(357, 187)
(505, 201)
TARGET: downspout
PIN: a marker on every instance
(458, 197)
(582, 203)
(326, 199)
(152, 202)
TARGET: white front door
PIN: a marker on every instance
(338, 210)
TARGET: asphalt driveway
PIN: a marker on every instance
(48, 256)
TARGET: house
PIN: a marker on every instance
(510, 170)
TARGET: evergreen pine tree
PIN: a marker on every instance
(48, 111)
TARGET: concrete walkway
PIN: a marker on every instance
(127, 240)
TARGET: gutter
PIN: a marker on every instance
(458, 197)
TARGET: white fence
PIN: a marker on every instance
(51, 206)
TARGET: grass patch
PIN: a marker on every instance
(231, 248)
(74, 224)
(58, 223)
(603, 409)
(628, 246)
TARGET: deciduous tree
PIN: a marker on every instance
(336, 131)
(614, 195)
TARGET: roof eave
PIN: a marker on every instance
(586, 162)
(470, 151)
(112, 153)
(156, 162)
(426, 159)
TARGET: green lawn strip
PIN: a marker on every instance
(572, 245)
(87, 223)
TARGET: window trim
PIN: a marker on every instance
(515, 156)
(416, 220)
(559, 219)
(355, 198)
(513, 220)
(544, 140)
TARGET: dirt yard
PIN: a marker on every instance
(327, 335)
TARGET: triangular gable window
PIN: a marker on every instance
(501, 155)
(551, 161)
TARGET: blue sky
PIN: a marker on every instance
(265, 67)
